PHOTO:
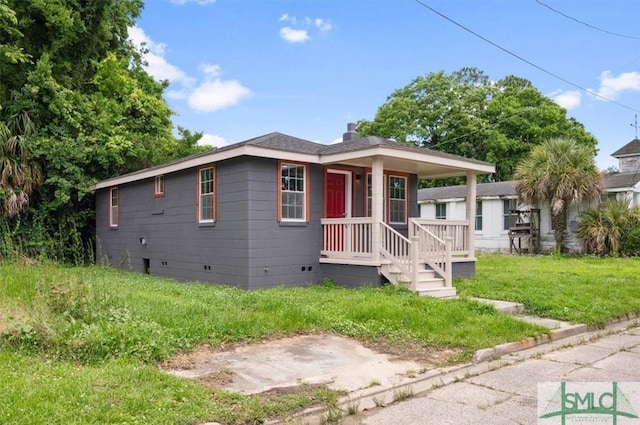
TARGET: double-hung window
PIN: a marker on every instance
(158, 186)
(293, 192)
(206, 195)
(479, 215)
(114, 205)
(397, 199)
(441, 211)
(509, 213)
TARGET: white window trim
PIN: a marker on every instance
(114, 222)
(159, 181)
(406, 204)
(304, 193)
(213, 195)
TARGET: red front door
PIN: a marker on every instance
(336, 207)
(336, 195)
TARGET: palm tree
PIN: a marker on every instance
(562, 172)
(17, 174)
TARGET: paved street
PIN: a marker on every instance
(507, 394)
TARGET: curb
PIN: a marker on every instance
(498, 351)
(485, 354)
(488, 359)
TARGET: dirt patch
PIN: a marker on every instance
(428, 356)
(217, 378)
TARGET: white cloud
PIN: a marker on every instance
(293, 35)
(200, 2)
(285, 17)
(323, 25)
(157, 66)
(211, 70)
(611, 87)
(214, 93)
(212, 140)
(567, 99)
(298, 29)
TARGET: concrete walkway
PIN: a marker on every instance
(505, 391)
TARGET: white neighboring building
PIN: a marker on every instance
(626, 183)
(497, 201)
(496, 206)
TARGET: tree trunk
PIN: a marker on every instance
(560, 229)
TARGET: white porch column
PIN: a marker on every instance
(471, 213)
(377, 205)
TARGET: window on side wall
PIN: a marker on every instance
(293, 192)
(158, 186)
(509, 215)
(114, 206)
(206, 195)
(397, 199)
(479, 215)
(441, 211)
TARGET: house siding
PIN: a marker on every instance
(177, 246)
(282, 253)
(246, 247)
(630, 164)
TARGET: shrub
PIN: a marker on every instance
(602, 230)
(631, 245)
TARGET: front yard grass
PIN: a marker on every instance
(581, 289)
(82, 344)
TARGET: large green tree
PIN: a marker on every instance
(562, 172)
(69, 66)
(468, 114)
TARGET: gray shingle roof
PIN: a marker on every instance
(621, 180)
(284, 142)
(633, 147)
(371, 141)
(507, 188)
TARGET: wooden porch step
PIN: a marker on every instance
(435, 282)
(422, 273)
(428, 283)
(442, 292)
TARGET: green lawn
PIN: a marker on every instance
(81, 345)
(586, 290)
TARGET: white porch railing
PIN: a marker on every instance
(350, 240)
(347, 238)
(457, 230)
(434, 251)
(400, 251)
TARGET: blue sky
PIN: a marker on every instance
(242, 68)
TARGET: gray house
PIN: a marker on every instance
(279, 210)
